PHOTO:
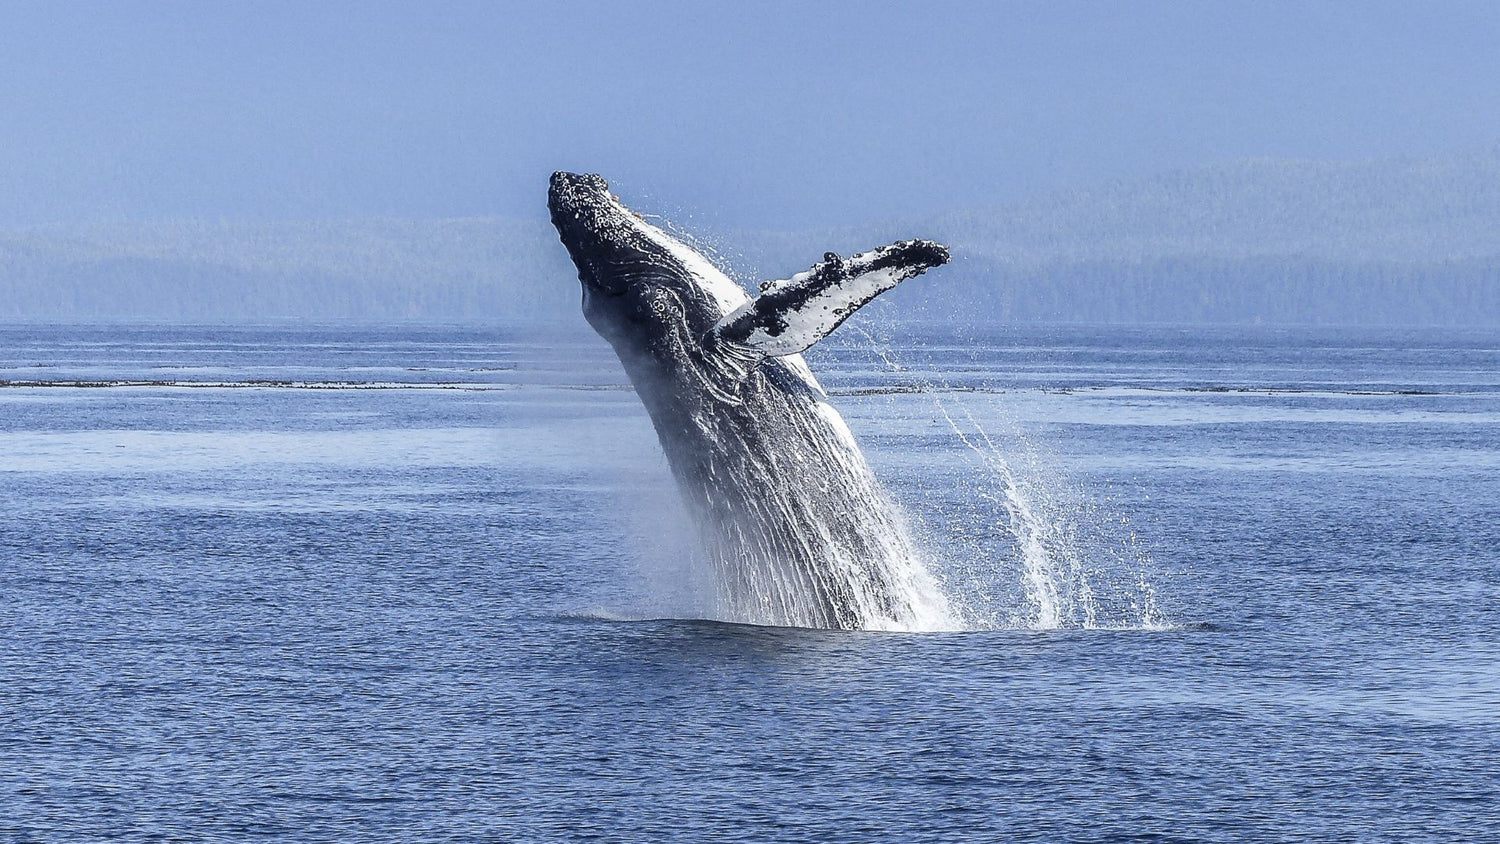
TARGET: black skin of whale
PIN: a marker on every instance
(791, 514)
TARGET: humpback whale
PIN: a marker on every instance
(798, 530)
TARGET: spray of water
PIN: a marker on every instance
(1024, 546)
(792, 528)
(826, 548)
(1003, 541)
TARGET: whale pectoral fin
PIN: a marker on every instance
(791, 315)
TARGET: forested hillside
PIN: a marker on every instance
(1383, 242)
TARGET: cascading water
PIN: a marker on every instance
(822, 549)
(1077, 568)
(1013, 544)
(1022, 547)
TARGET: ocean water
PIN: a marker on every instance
(433, 584)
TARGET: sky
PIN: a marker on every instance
(767, 115)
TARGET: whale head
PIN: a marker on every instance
(677, 322)
(607, 247)
(649, 294)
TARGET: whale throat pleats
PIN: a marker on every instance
(792, 314)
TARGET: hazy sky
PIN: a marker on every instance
(745, 113)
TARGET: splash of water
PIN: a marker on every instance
(1076, 568)
(1015, 546)
(830, 550)
(792, 530)
(1072, 561)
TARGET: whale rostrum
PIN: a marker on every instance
(794, 522)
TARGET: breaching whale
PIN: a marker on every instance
(797, 527)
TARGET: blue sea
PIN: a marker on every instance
(434, 584)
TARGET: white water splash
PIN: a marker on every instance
(824, 550)
(1027, 548)
(1075, 570)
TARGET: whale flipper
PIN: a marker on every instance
(792, 314)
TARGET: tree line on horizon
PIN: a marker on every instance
(1409, 243)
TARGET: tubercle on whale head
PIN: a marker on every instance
(642, 290)
(579, 206)
(570, 193)
(606, 240)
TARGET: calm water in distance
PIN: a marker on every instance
(432, 584)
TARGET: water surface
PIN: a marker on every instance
(429, 584)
